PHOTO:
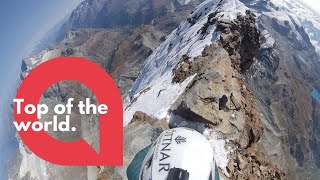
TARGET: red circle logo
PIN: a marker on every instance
(78, 153)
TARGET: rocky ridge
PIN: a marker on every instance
(213, 98)
(234, 72)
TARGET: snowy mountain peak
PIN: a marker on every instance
(292, 13)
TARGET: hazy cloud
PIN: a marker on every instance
(313, 4)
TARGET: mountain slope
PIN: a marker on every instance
(282, 79)
(112, 13)
(286, 72)
(239, 72)
(116, 50)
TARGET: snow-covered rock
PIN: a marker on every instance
(155, 79)
(292, 12)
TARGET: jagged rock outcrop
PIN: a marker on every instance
(241, 39)
(215, 79)
(218, 78)
(253, 164)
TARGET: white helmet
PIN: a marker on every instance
(179, 154)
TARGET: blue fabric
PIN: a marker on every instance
(216, 173)
(315, 94)
(134, 168)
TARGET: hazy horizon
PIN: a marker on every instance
(23, 24)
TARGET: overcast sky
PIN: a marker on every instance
(314, 4)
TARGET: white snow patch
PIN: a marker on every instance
(157, 101)
(269, 40)
(50, 54)
(221, 152)
(33, 164)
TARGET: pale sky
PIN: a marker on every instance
(313, 4)
(23, 23)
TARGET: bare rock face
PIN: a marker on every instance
(217, 79)
(184, 70)
(217, 83)
(128, 57)
(200, 102)
(253, 164)
(102, 175)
